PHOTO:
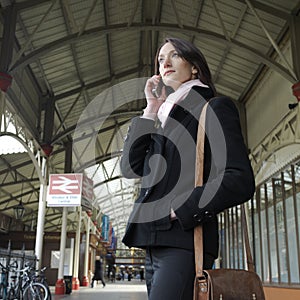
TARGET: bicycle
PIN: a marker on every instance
(14, 290)
(41, 277)
(33, 290)
(4, 279)
(23, 287)
(3, 284)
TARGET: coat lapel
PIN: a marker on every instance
(183, 114)
(156, 162)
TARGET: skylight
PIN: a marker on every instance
(9, 145)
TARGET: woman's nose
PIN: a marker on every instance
(167, 62)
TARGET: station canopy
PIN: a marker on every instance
(78, 72)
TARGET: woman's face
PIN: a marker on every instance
(173, 69)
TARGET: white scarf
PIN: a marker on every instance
(175, 98)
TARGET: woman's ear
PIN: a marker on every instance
(194, 70)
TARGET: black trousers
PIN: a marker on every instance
(170, 273)
(97, 279)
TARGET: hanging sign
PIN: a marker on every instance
(87, 193)
(105, 228)
(64, 190)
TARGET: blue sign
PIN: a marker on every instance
(113, 244)
(105, 227)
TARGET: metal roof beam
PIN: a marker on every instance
(225, 32)
(94, 84)
(30, 3)
(87, 18)
(231, 36)
(196, 24)
(137, 3)
(271, 40)
(107, 180)
(8, 169)
(62, 121)
(295, 43)
(11, 183)
(268, 9)
(27, 94)
(71, 28)
(68, 16)
(48, 121)
(28, 70)
(130, 114)
(15, 167)
(108, 40)
(140, 27)
(176, 14)
(15, 198)
(7, 43)
(29, 39)
(115, 130)
(98, 159)
(26, 118)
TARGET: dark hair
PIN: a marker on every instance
(193, 55)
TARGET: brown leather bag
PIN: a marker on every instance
(225, 284)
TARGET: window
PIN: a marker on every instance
(274, 222)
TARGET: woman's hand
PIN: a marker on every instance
(153, 103)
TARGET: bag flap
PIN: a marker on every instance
(234, 284)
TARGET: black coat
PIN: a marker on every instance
(98, 270)
(165, 161)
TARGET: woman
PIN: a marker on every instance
(98, 275)
(160, 149)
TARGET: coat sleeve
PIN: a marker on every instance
(231, 182)
(136, 146)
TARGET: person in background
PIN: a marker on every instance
(98, 274)
(141, 272)
(160, 149)
(113, 274)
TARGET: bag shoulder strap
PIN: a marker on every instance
(250, 263)
(198, 230)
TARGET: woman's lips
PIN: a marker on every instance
(168, 72)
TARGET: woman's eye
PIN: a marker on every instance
(175, 54)
(160, 60)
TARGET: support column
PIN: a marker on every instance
(9, 14)
(48, 128)
(86, 254)
(75, 280)
(41, 215)
(5, 83)
(60, 286)
(71, 269)
(2, 108)
(295, 43)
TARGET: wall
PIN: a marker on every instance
(20, 239)
(268, 104)
(274, 293)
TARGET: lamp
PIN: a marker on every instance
(296, 90)
(19, 210)
(292, 105)
(296, 93)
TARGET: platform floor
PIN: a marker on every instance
(124, 290)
